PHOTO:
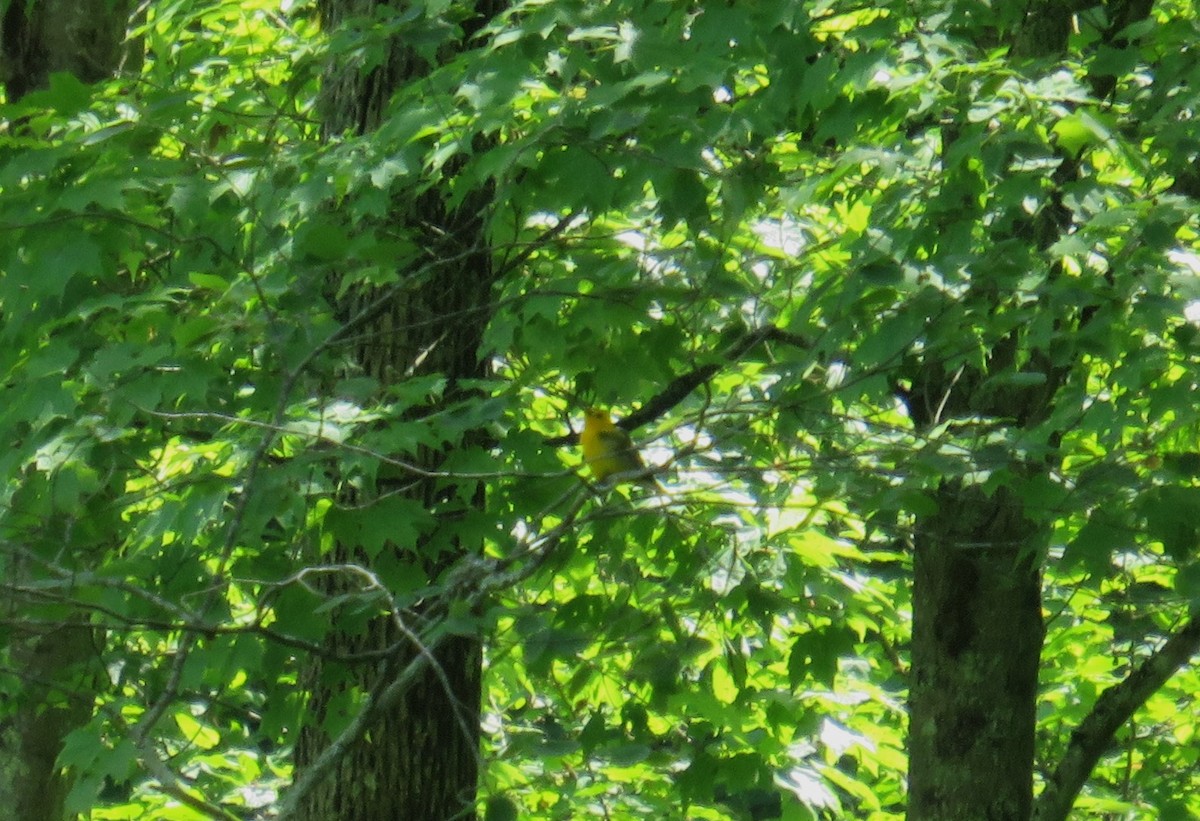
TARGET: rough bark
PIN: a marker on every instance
(977, 637)
(419, 758)
(977, 612)
(1045, 28)
(977, 628)
(57, 665)
(85, 38)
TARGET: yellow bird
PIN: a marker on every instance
(608, 450)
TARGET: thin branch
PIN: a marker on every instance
(283, 429)
(379, 700)
(1114, 707)
(681, 386)
(472, 582)
(542, 240)
(171, 784)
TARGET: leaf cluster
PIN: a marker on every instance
(895, 254)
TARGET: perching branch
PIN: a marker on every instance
(1114, 707)
(681, 386)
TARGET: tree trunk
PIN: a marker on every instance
(977, 597)
(419, 760)
(85, 38)
(977, 637)
(57, 664)
(977, 625)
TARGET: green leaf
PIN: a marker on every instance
(1079, 130)
(1093, 547)
(814, 655)
(196, 733)
(323, 240)
(1173, 517)
(886, 342)
(66, 94)
(500, 808)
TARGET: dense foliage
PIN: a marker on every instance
(751, 221)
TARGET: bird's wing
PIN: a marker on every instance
(619, 447)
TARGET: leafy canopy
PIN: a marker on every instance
(809, 206)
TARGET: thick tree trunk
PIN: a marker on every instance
(977, 611)
(419, 759)
(57, 664)
(977, 637)
(977, 626)
(85, 38)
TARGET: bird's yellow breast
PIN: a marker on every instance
(606, 448)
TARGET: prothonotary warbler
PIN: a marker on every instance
(608, 450)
